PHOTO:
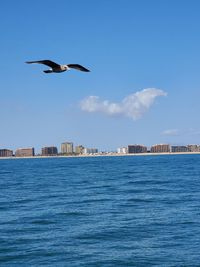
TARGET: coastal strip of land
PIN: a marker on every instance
(103, 155)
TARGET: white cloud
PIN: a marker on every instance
(176, 132)
(133, 106)
(171, 132)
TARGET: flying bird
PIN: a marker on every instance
(58, 68)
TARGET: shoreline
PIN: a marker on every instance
(104, 155)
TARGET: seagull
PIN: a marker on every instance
(58, 68)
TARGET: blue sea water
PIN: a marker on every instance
(100, 211)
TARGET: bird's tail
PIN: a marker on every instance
(48, 71)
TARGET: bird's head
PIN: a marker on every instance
(66, 67)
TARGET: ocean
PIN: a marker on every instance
(100, 211)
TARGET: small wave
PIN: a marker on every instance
(43, 221)
(73, 213)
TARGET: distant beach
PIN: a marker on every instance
(104, 155)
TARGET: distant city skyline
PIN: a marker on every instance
(143, 87)
(68, 148)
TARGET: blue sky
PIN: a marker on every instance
(144, 84)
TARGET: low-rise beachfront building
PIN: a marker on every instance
(177, 149)
(122, 150)
(133, 149)
(25, 152)
(90, 151)
(193, 148)
(79, 149)
(160, 148)
(6, 153)
(49, 151)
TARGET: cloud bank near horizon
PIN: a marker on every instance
(171, 132)
(133, 106)
(177, 132)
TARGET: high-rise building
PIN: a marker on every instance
(79, 149)
(67, 148)
(25, 152)
(6, 153)
(177, 149)
(161, 148)
(137, 149)
(49, 151)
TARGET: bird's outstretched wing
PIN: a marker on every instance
(45, 62)
(78, 67)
